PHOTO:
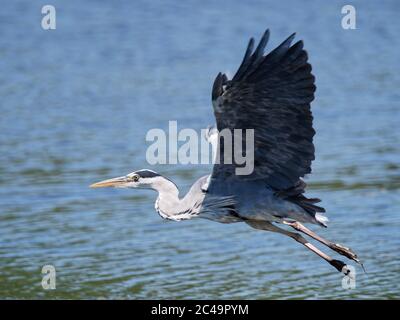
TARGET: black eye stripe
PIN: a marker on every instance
(147, 174)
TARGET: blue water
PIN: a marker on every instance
(77, 102)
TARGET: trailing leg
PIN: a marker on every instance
(347, 252)
(268, 226)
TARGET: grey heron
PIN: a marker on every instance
(270, 93)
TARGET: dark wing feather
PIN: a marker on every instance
(270, 94)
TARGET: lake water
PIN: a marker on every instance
(77, 102)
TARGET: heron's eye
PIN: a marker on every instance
(135, 178)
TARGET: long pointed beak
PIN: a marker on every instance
(115, 182)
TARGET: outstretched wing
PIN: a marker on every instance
(270, 94)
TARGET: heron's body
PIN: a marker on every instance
(270, 94)
(237, 202)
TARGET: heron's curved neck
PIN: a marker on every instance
(166, 189)
(168, 195)
(168, 204)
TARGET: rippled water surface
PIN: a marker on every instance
(77, 102)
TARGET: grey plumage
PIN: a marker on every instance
(270, 94)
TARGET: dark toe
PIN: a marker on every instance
(338, 265)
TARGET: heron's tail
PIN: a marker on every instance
(295, 194)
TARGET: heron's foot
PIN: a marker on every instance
(347, 252)
(341, 267)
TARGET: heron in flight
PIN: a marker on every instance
(270, 93)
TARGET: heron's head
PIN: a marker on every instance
(145, 179)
